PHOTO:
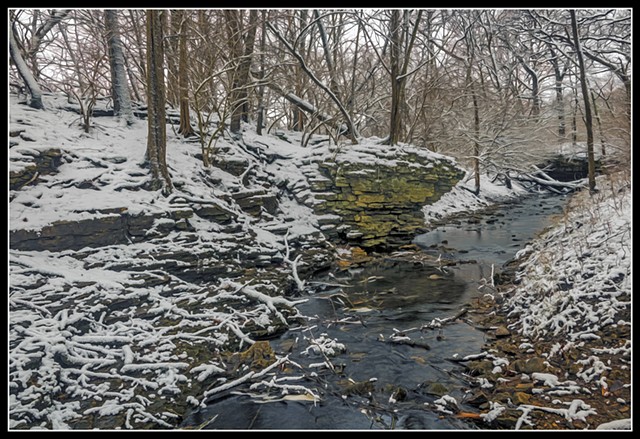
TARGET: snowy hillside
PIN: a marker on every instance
(108, 337)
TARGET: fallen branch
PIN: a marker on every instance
(395, 339)
(437, 322)
(552, 184)
(269, 301)
(294, 264)
(245, 378)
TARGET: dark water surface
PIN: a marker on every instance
(390, 296)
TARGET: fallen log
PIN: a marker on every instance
(552, 185)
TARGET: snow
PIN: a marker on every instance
(575, 252)
(462, 199)
(619, 424)
(590, 251)
(573, 289)
(496, 409)
(547, 379)
(578, 410)
(96, 331)
(446, 404)
(324, 346)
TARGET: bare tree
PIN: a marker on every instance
(401, 42)
(119, 89)
(350, 131)
(156, 100)
(263, 43)
(469, 83)
(327, 53)
(241, 48)
(25, 73)
(30, 47)
(588, 120)
(36, 34)
(559, 74)
(183, 74)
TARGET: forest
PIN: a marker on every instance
(502, 81)
(204, 202)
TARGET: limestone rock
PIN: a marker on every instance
(380, 204)
(502, 331)
(532, 365)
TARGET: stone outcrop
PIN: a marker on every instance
(370, 196)
(563, 168)
(44, 162)
(107, 227)
(255, 201)
(378, 203)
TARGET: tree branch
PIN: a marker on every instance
(352, 132)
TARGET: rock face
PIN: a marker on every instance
(378, 204)
(255, 201)
(368, 195)
(109, 227)
(564, 168)
(42, 163)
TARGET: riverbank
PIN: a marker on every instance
(559, 354)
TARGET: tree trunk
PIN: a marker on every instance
(574, 119)
(183, 75)
(119, 89)
(171, 31)
(245, 64)
(587, 104)
(297, 116)
(559, 76)
(327, 54)
(132, 81)
(134, 16)
(263, 41)
(535, 92)
(603, 149)
(238, 97)
(25, 73)
(402, 42)
(562, 129)
(476, 135)
(156, 101)
(395, 121)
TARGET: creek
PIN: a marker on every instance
(381, 381)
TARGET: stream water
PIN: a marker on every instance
(378, 384)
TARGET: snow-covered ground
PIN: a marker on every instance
(571, 307)
(109, 337)
(577, 280)
(463, 199)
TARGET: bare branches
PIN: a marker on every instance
(352, 132)
(55, 18)
(422, 79)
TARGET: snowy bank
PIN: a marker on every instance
(568, 317)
